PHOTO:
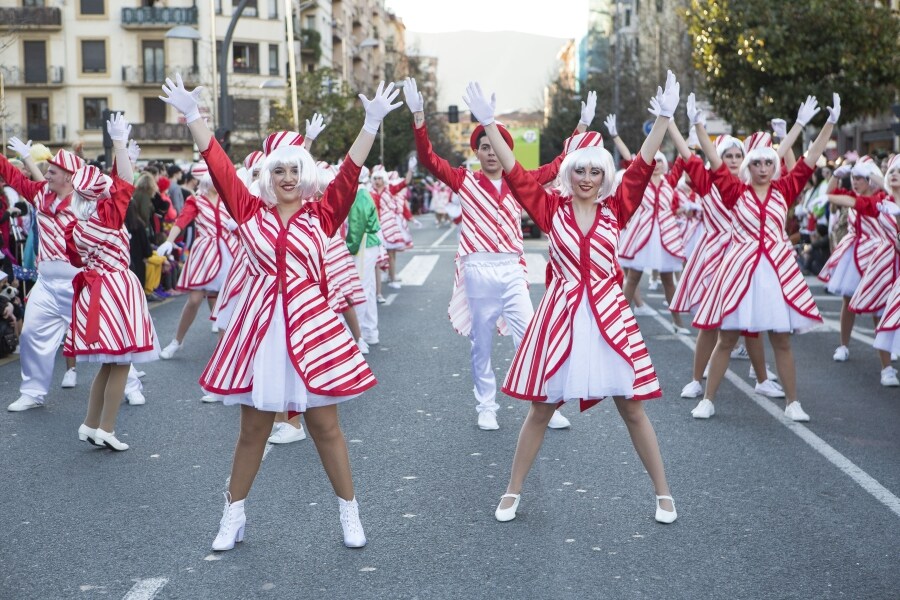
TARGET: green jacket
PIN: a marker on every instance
(363, 219)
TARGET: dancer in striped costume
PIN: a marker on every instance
(110, 320)
(286, 349)
(583, 343)
(703, 264)
(761, 257)
(844, 270)
(390, 214)
(887, 337)
(490, 288)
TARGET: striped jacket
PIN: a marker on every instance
(757, 233)
(390, 208)
(286, 260)
(861, 239)
(205, 259)
(109, 308)
(491, 221)
(656, 209)
(881, 271)
(581, 264)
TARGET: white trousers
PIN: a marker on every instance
(495, 287)
(367, 312)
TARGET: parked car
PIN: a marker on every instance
(529, 227)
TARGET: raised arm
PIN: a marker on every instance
(588, 111)
(808, 109)
(24, 151)
(313, 128)
(613, 130)
(663, 106)
(683, 150)
(119, 131)
(698, 122)
(818, 146)
(483, 110)
(436, 165)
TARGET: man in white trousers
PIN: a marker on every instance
(363, 228)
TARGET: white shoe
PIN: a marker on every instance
(354, 536)
(557, 421)
(87, 434)
(211, 398)
(394, 285)
(135, 398)
(704, 410)
(653, 284)
(841, 354)
(769, 374)
(363, 346)
(371, 340)
(794, 412)
(692, 390)
(70, 379)
(893, 357)
(285, 433)
(643, 311)
(487, 420)
(170, 350)
(889, 377)
(665, 516)
(231, 527)
(507, 514)
(740, 353)
(681, 330)
(214, 328)
(380, 299)
(24, 402)
(109, 440)
(770, 389)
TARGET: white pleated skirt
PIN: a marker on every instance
(277, 386)
(654, 256)
(123, 359)
(594, 370)
(889, 341)
(846, 276)
(763, 307)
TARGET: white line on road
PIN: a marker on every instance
(418, 269)
(836, 326)
(536, 265)
(390, 299)
(267, 450)
(865, 481)
(146, 589)
(444, 237)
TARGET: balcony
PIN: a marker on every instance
(161, 132)
(311, 44)
(156, 17)
(154, 77)
(44, 77)
(31, 17)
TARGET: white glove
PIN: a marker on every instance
(315, 127)
(834, 112)
(842, 171)
(666, 100)
(231, 225)
(800, 211)
(695, 115)
(413, 96)
(610, 123)
(779, 126)
(693, 141)
(118, 127)
(134, 151)
(807, 111)
(379, 106)
(20, 148)
(588, 109)
(412, 163)
(187, 103)
(889, 208)
(165, 249)
(481, 108)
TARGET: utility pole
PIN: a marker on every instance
(617, 52)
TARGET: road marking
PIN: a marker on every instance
(865, 481)
(267, 450)
(441, 239)
(146, 589)
(418, 269)
(860, 337)
(390, 299)
(536, 265)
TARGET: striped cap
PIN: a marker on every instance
(280, 139)
(760, 139)
(865, 167)
(199, 170)
(724, 142)
(67, 161)
(90, 183)
(894, 163)
(253, 159)
(378, 171)
(583, 140)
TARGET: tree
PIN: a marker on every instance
(761, 59)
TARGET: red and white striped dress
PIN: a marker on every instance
(110, 319)
(740, 295)
(231, 289)
(344, 285)
(214, 246)
(390, 210)
(704, 261)
(654, 224)
(584, 277)
(886, 335)
(491, 221)
(312, 361)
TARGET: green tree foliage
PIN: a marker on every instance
(760, 59)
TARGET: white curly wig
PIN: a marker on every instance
(760, 153)
(592, 156)
(288, 156)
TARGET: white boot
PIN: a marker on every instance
(231, 527)
(354, 536)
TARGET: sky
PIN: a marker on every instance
(561, 18)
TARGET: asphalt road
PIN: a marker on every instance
(767, 508)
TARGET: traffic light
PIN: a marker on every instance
(223, 136)
(453, 114)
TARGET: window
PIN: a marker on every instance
(93, 7)
(218, 7)
(251, 10)
(34, 3)
(273, 59)
(273, 9)
(154, 110)
(245, 114)
(93, 56)
(93, 112)
(310, 21)
(659, 6)
(627, 17)
(35, 61)
(37, 112)
(246, 57)
(154, 62)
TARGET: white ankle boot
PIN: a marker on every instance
(231, 527)
(354, 536)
